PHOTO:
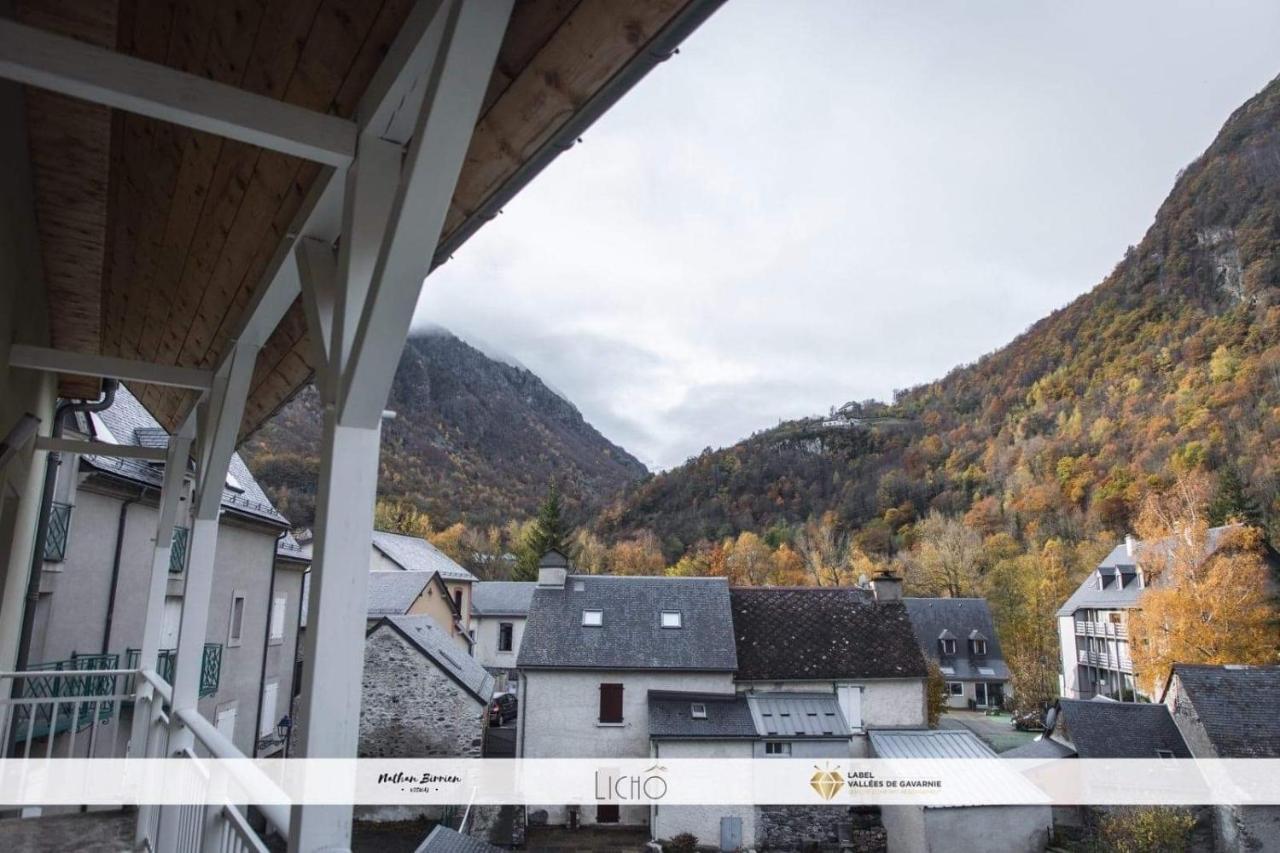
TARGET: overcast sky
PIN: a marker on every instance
(817, 202)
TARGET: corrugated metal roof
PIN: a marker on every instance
(812, 715)
(928, 743)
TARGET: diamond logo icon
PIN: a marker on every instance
(826, 782)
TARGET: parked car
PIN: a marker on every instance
(504, 707)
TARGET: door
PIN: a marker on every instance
(730, 833)
(850, 698)
(980, 693)
(995, 694)
(607, 813)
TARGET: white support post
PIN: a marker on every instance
(393, 211)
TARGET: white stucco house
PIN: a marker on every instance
(960, 636)
(499, 611)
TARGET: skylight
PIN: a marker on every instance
(671, 619)
(593, 618)
(698, 711)
(579, 586)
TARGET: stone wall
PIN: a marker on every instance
(411, 709)
(802, 828)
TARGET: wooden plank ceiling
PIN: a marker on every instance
(154, 237)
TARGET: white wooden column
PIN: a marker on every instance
(396, 199)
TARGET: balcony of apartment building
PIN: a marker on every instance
(1114, 661)
(216, 232)
(1106, 628)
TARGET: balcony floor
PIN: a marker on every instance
(94, 832)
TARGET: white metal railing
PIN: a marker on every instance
(1085, 628)
(77, 714)
(1105, 660)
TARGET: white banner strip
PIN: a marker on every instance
(680, 781)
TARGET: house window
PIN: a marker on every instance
(236, 631)
(593, 618)
(457, 599)
(948, 647)
(278, 606)
(505, 633)
(955, 688)
(698, 710)
(607, 813)
(611, 703)
(671, 619)
(980, 647)
(777, 748)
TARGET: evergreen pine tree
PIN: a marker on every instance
(548, 532)
(1231, 502)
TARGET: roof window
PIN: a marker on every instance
(698, 710)
(593, 618)
(671, 619)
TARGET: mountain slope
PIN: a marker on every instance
(1171, 364)
(473, 439)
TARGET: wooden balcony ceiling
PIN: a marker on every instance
(154, 237)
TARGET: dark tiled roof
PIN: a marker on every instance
(415, 554)
(441, 650)
(445, 840)
(956, 618)
(1237, 706)
(1099, 728)
(127, 422)
(670, 716)
(631, 636)
(1041, 747)
(822, 633)
(501, 598)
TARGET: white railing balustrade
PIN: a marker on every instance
(64, 713)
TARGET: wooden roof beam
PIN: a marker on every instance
(87, 364)
(49, 61)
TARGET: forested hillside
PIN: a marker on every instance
(474, 440)
(1171, 365)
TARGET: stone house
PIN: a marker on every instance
(398, 552)
(960, 636)
(422, 697)
(499, 611)
(940, 829)
(94, 580)
(1230, 712)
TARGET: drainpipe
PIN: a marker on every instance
(115, 570)
(294, 687)
(266, 642)
(52, 460)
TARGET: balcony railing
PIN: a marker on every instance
(55, 543)
(33, 730)
(1101, 629)
(210, 666)
(178, 550)
(1106, 660)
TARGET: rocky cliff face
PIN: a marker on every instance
(474, 439)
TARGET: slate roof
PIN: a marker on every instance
(1117, 596)
(631, 636)
(954, 618)
(393, 593)
(445, 840)
(414, 554)
(288, 548)
(501, 598)
(819, 633)
(928, 743)
(798, 715)
(1237, 705)
(127, 422)
(1041, 747)
(1099, 728)
(439, 648)
(670, 716)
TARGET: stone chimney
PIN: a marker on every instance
(886, 586)
(553, 570)
(1130, 544)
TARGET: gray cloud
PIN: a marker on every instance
(818, 202)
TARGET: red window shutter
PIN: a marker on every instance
(610, 703)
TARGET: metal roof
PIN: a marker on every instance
(440, 648)
(951, 618)
(415, 554)
(630, 635)
(928, 743)
(798, 715)
(501, 598)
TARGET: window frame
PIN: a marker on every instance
(980, 648)
(235, 632)
(679, 620)
(777, 749)
(948, 647)
(506, 636)
(609, 691)
(592, 612)
(955, 688)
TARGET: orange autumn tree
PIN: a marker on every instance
(1206, 601)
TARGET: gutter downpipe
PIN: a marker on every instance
(52, 461)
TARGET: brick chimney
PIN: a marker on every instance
(553, 570)
(886, 586)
